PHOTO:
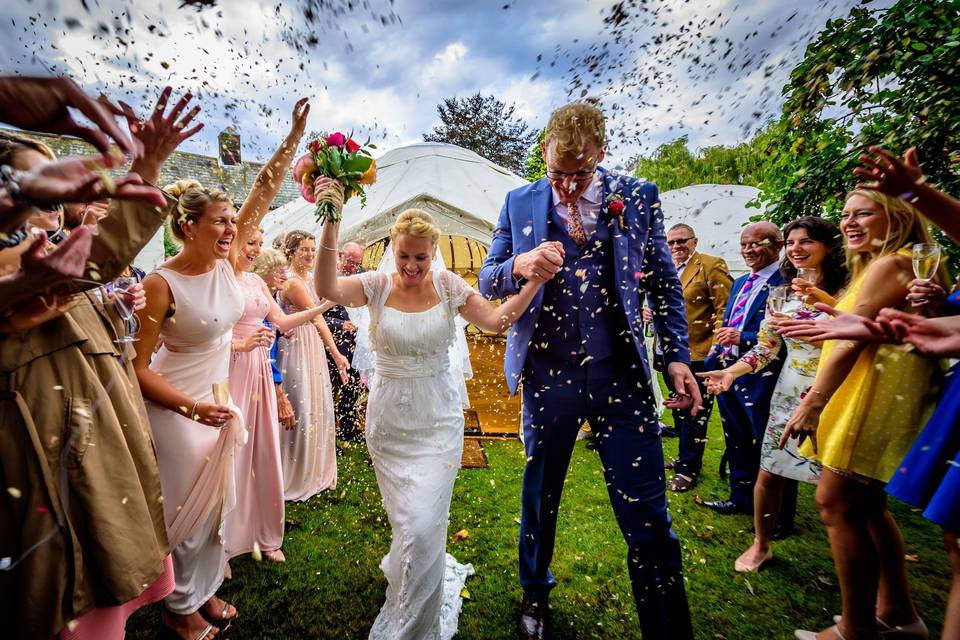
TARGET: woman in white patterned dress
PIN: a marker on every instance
(811, 243)
(414, 427)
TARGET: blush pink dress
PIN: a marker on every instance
(257, 518)
(308, 452)
(195, 459)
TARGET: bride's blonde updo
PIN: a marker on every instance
(192, 200)
(417, 223)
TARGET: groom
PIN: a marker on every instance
(597, 242)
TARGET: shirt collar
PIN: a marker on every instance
(590, 196)
(769, 270)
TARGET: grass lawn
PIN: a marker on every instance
(331, 585)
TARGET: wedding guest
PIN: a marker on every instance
(706, 285)
(811, 243)
(745, 408)
(193, 302)
(271, 266)
(308, 451)
(85, 529)
(256, 521)
(861, 415)
(347, 395)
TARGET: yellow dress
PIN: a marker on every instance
(873, 418)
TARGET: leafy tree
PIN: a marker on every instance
(486, 126)
(170, 246)
(878, 77)
(673, 165)
(535, 167)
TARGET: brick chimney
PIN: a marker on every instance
(229, 147)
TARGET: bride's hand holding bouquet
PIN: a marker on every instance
(339, 158)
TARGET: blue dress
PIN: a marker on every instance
(929, 476)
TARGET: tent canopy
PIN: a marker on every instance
(717, 213)
(462, 190)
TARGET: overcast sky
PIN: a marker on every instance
(710, 69)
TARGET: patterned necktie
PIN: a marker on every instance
(575, 225)
(740, 308)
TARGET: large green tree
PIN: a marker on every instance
(486, 126)
(877, 77)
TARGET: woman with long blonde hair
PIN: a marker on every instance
(862, 413)
(193, 302)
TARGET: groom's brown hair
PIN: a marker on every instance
(573, 126)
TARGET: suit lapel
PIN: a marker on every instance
(540, 202)
(693, 266)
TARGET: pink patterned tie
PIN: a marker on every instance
(740, 308)
(575, 225)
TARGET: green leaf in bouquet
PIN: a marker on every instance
(355, 163)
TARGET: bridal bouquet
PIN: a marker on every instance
(339, 157)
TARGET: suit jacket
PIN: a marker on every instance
(640, 254)
(706, 285)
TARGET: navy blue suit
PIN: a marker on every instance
(579, 351)
(745, 407)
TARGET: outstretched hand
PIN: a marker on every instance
(65, 263)
(43, 104)
(686, 390)
(80, 180)
(888, 174)
(717, 381)
(298, 123)
(841, 326)
(931, 336)
(161, 133)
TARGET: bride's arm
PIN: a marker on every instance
(479, 311)
(345, 290)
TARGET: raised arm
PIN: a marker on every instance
(345, 290)
(481, 312)
(269, 179)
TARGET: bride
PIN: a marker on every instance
(414, 427)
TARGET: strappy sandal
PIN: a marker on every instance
(680, 483)
(223, 620)
(800, 634)
(172, 633)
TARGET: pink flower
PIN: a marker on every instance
(306, 190)
(616, 207)
(304, 168)
(352, 146)
(336, 139)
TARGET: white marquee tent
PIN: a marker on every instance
(462, 190)
(717, 213)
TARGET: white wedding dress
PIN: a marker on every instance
(414, 433)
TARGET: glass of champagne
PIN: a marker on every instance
(117, 287)
(778, 297)
(810, 274)
(926, 259)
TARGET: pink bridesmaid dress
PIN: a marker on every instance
(196, 460)
(257, 518)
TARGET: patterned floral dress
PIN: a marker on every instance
(796, 378)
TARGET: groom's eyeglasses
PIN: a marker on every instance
(560, 176)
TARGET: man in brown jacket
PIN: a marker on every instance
(706, 288)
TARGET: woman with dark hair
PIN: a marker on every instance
(811, 243)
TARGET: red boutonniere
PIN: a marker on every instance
(616, 206)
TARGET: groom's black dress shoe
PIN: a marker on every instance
(727, 507)
(533, 619)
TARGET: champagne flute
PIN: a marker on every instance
(778, 297)
(119, 286)
(810, 274)
(926, 259)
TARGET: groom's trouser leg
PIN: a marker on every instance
(632, 456)
(554, 403)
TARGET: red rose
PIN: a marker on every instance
(616, 207)
(352, 146)
(336, 139)
(314, 146)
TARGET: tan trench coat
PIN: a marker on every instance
(81, 511)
